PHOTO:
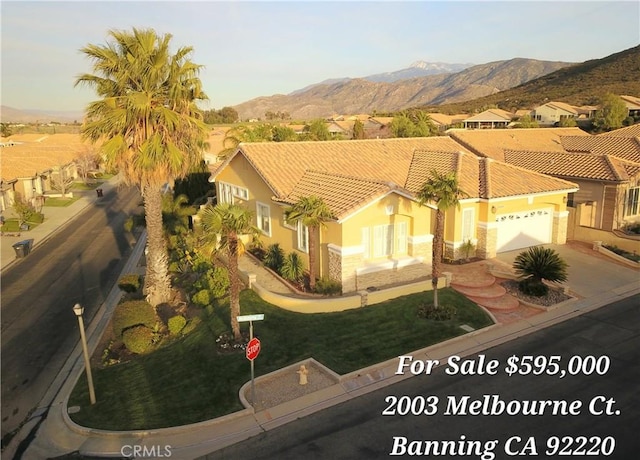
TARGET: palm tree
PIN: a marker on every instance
(312, 212)
(444, 192)
(537, 264)
(147, 125)
(229, 222)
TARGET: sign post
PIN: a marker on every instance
(253, 348)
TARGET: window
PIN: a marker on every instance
(287, 224)
(632, 202)
(467, 224)
(263, 216)
(365, 243)
(303, 237)
(228, 192)
(401, 239)
(382, 240)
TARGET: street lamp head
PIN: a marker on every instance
(78, 309)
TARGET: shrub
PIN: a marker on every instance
(467, 248)
(274, 257)
(633, 228)
(129, 282)
(133, 313)
(218, 282)
(540, 263)
(176, 324)
(137, 339)
(191, 325)
(532, 287)
(201, 298)
(292, 267)
(442, 313)
(37, 218)
(128, 224)
(327, 286)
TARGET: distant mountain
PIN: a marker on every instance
(418, 69)
(364, 96)
(13, 115)
(579, 84)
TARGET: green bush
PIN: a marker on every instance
(129, 282)
(128, 224)
(176, 324)
(633, 228)
(36, 218)
(292, 268)
(274, 257)
(133, 313)
(328, 286)
(201, 298)
(218, 282)
(191, 325)
(533, 287)
(137, 339)
(540, 263)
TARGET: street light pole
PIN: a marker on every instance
(78, 310)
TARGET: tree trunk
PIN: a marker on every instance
(234, 285)
(438, 239)
(312, 257)
(157, 281)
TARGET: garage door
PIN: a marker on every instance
(518, 230)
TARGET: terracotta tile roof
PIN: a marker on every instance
(562, 106)
(492, 143)
(282, 164)
(481, 177)
(632, 102)
(384, 121)
(628, 131)
(627, 148)
(348, 174)
(342, 194)
(492, 115)
(575, 165)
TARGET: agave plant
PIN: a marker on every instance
(538, 263)
(292, 268)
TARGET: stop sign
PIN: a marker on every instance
(253, 349)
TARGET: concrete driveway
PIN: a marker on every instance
(590, 273)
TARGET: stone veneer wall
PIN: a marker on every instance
(348, 271)
(559, 229)
(393, 276)
(487, 239)
(421, 250)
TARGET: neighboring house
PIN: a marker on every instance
(609, 186)
(551, 113)
(379, 234)
(633, 104)
(341, 129)
(493, 143)
(32, 164)
(444, 122)
(378, 128)
(489, 119)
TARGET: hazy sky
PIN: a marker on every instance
(252, 49)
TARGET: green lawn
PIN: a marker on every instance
(83, 186)
(60, 202)
(188, 381)
(13, 225)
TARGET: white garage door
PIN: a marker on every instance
(523, 229)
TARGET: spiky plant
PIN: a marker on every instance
(274, 257)
(536, 264)
(292, 268)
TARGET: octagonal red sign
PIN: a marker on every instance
(253, 349)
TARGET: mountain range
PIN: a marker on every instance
(392, 91)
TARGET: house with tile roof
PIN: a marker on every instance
(551, 113)
(489, 119)
(378, 127)
(30, 162)
(609, 186)
(633, 105)
(379, 234)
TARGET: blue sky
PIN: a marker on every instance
(252, 49)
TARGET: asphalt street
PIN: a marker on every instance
(358, 430)
(78, 264)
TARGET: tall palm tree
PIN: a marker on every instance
(224, 224)
(313, 213)
(147, 125)
(443, 191)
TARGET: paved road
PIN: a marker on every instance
(78, 264)
(357, 430)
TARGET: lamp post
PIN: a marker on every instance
(78, 310)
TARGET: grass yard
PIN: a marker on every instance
(189, 381)
(56, 202)
(87, 186)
